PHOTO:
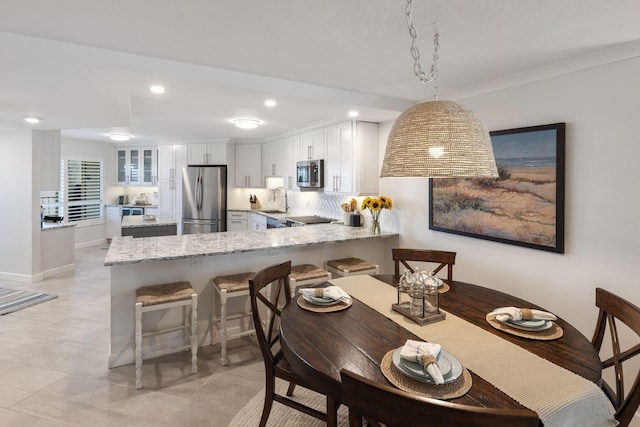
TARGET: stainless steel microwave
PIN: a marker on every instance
(310, 173)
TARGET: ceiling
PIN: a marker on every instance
(85, 66)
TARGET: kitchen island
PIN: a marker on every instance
(148, 226)
(199, 257)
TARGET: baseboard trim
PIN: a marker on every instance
(22, 278)
(90, 243)
(58, 270)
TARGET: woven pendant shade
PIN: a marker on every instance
(439, 139)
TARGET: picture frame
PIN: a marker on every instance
(523, 207)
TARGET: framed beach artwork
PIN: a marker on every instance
(524, 206)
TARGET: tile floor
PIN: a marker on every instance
(53, 365)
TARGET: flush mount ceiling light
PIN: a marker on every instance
(120, 137)
(353, 113)
(157, 89)
(437, 139)
(246, 123)
(32, 120)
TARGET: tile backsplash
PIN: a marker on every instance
(305, 203)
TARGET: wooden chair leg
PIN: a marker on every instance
(270, 389)
(332, 413)
(290, 389)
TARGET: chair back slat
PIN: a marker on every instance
(267, 303)
(394, 408)
(613, 309)
(442, 258)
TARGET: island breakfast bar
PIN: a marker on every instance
(199, 257)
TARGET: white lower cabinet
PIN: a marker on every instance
(258, 222)
(237, 221)
(114, 219)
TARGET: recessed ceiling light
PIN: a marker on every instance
(32, 120)
(353, 113)
(270, 103)
(246, 123)
(120, 137)
(157, 89)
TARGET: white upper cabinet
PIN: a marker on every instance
(248, 165)
(339, 162)
(366, 159)
(312, 145)
(137, 166)
(47, 144)
(214, 153)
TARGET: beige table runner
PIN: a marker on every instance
(559, 396)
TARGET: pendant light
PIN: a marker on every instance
(437, 139)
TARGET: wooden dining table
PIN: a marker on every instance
(319, 345)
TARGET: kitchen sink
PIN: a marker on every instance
(273, 212)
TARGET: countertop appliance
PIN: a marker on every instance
(204, 199)
(310, 174)
(296, 221)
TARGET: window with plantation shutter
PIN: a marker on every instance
(83, 190)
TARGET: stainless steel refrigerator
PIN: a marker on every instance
(204, 199)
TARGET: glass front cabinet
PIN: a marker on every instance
(137, 166)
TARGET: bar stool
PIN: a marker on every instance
(162, 297)
(305, 275)
(351, 267)
(228, 287)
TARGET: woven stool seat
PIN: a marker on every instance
(351, 266)
(167, 296)
(233, 282)
(162, 294)
(306, 272)
(305, 275)
(227, 287)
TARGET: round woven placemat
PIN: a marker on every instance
(322, 308)
(553, 333)
(447, 391)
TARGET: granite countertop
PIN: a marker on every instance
(55, 225)
(126, 250)
(131, 221)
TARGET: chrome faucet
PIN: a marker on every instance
(286, 201)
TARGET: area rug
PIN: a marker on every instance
(13, 300)
(284, 416)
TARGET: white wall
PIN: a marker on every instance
(19, 250)
(601, 108)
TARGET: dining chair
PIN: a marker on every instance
(269, 292)
(613, 308)
(379, 403)
(443, 258)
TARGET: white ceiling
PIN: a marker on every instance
(85, 66)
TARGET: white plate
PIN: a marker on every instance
(443, 363)
(546, 325)
(452, 375)
(534, 324)
(319, 301)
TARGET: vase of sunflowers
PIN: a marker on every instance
(375, 205)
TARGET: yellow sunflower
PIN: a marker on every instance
(375, 205)
(366, 203)
(387, 203)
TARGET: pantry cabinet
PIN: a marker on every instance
(171, 159)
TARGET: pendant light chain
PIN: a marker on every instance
(415, 52)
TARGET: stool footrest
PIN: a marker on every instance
(165, 351)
